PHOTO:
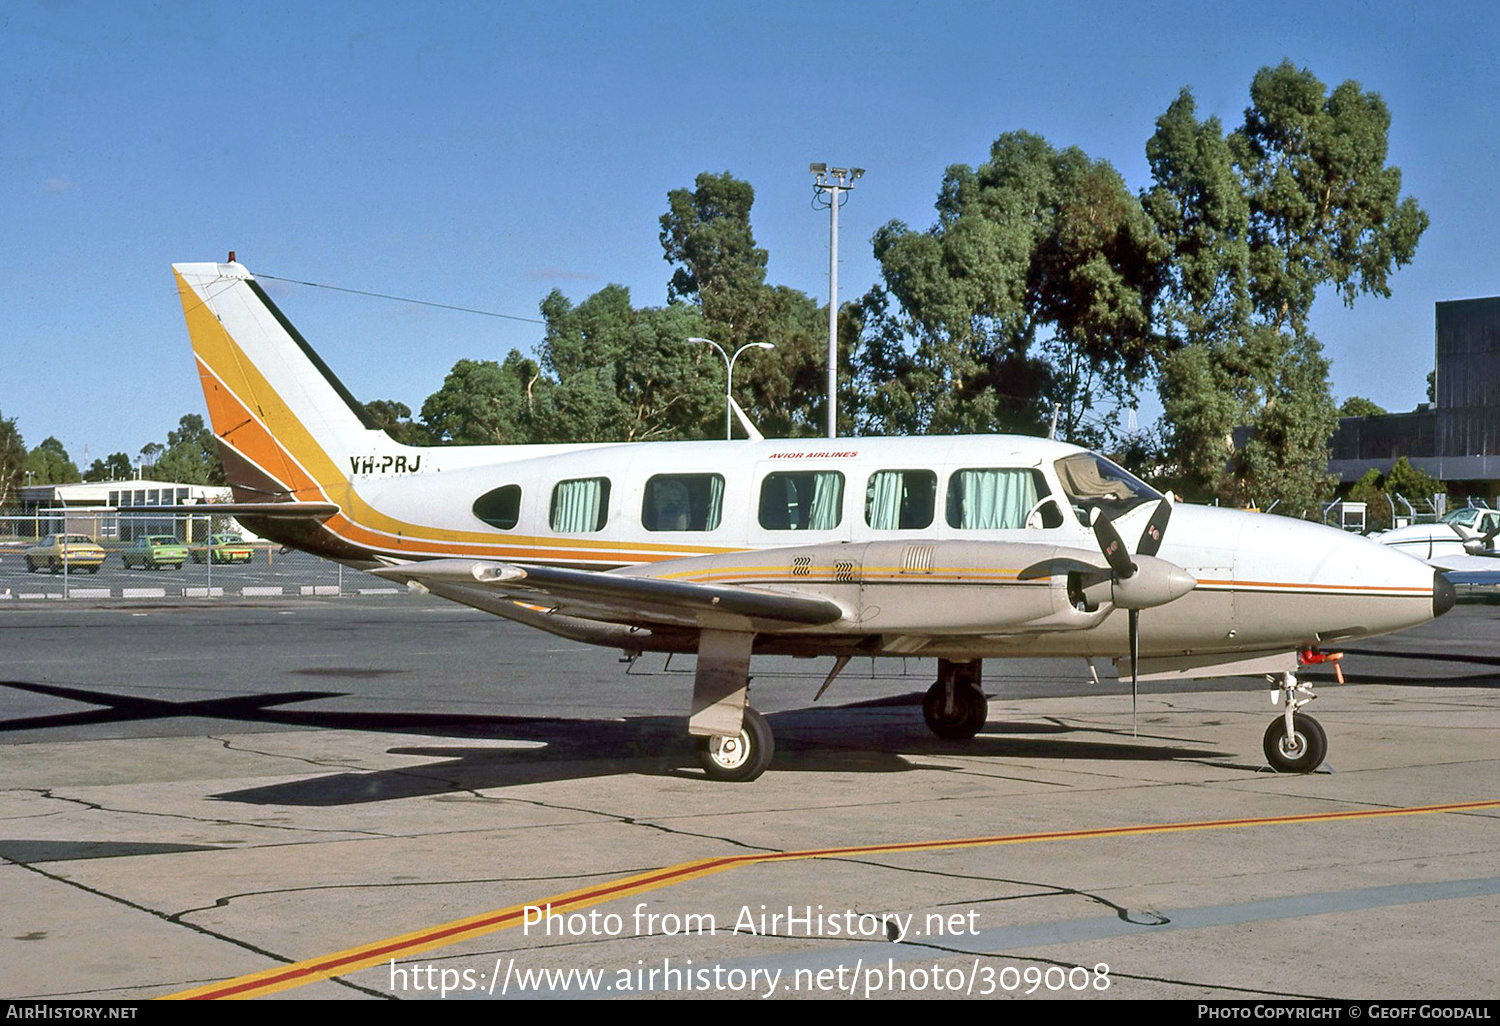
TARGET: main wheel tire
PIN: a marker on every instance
(1306, 750)
(965, 719)
(739, 759)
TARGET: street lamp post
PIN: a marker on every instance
(729, 376)
(829, 186)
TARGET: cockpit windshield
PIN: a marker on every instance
(1093, 482)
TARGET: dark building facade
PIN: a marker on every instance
(1457, 437)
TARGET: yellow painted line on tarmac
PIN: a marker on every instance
(408, 944)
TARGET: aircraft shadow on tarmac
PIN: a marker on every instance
(865, 737)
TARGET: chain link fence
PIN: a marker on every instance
(50, 554)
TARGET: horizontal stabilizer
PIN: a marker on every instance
(271, 510)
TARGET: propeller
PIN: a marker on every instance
(1134, 598)
(1478, 546)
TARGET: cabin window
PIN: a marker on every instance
(809, 500)
(998, 499)
(580, 506)
(683, 502)
(900, 500)
(500, 508)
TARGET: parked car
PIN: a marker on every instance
(153, 551)
(225, 548)
(65, 552)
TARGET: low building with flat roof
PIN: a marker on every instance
(106, 509)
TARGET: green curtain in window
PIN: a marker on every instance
(577, 505)
(883, 500)
(715, 502)
(828, 500)
(996, 499)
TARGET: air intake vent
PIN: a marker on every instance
(917, 559)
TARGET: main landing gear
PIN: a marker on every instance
(742, 757)
(955, 707)
(734, 741)
(1294, 744)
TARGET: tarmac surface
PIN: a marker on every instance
(361, 797)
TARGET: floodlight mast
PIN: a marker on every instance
(829, 186)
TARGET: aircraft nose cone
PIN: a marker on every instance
(1443, 595)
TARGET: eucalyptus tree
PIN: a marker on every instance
(624, 373)
(1033, 288)
(1256, 221)
(12, 461)
(49, 463)
(191, 455)
(482, 402)
(707, 237)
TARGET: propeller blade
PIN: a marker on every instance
(1135, 670)
(1155, 527)
(1112, 545)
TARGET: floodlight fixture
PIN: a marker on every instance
(829, 186)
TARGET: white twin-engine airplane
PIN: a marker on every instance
(958, 548)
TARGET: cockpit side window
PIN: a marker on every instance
(1093, 482)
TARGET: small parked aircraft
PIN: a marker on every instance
(958, 548)
(1462, 539)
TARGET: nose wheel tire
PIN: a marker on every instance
(1303, 752)
(740, 758)
(960, 719)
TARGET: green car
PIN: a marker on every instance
(224, 548)
(155, 551)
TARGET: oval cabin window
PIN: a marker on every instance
(500, 508)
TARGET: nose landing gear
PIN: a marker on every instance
(1292, 743)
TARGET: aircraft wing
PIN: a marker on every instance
(620, 598)
(1465, 563)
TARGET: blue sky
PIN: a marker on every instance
(482, 154)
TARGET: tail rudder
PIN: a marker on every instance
(284, 421)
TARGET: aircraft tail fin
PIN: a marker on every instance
(284, 421)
